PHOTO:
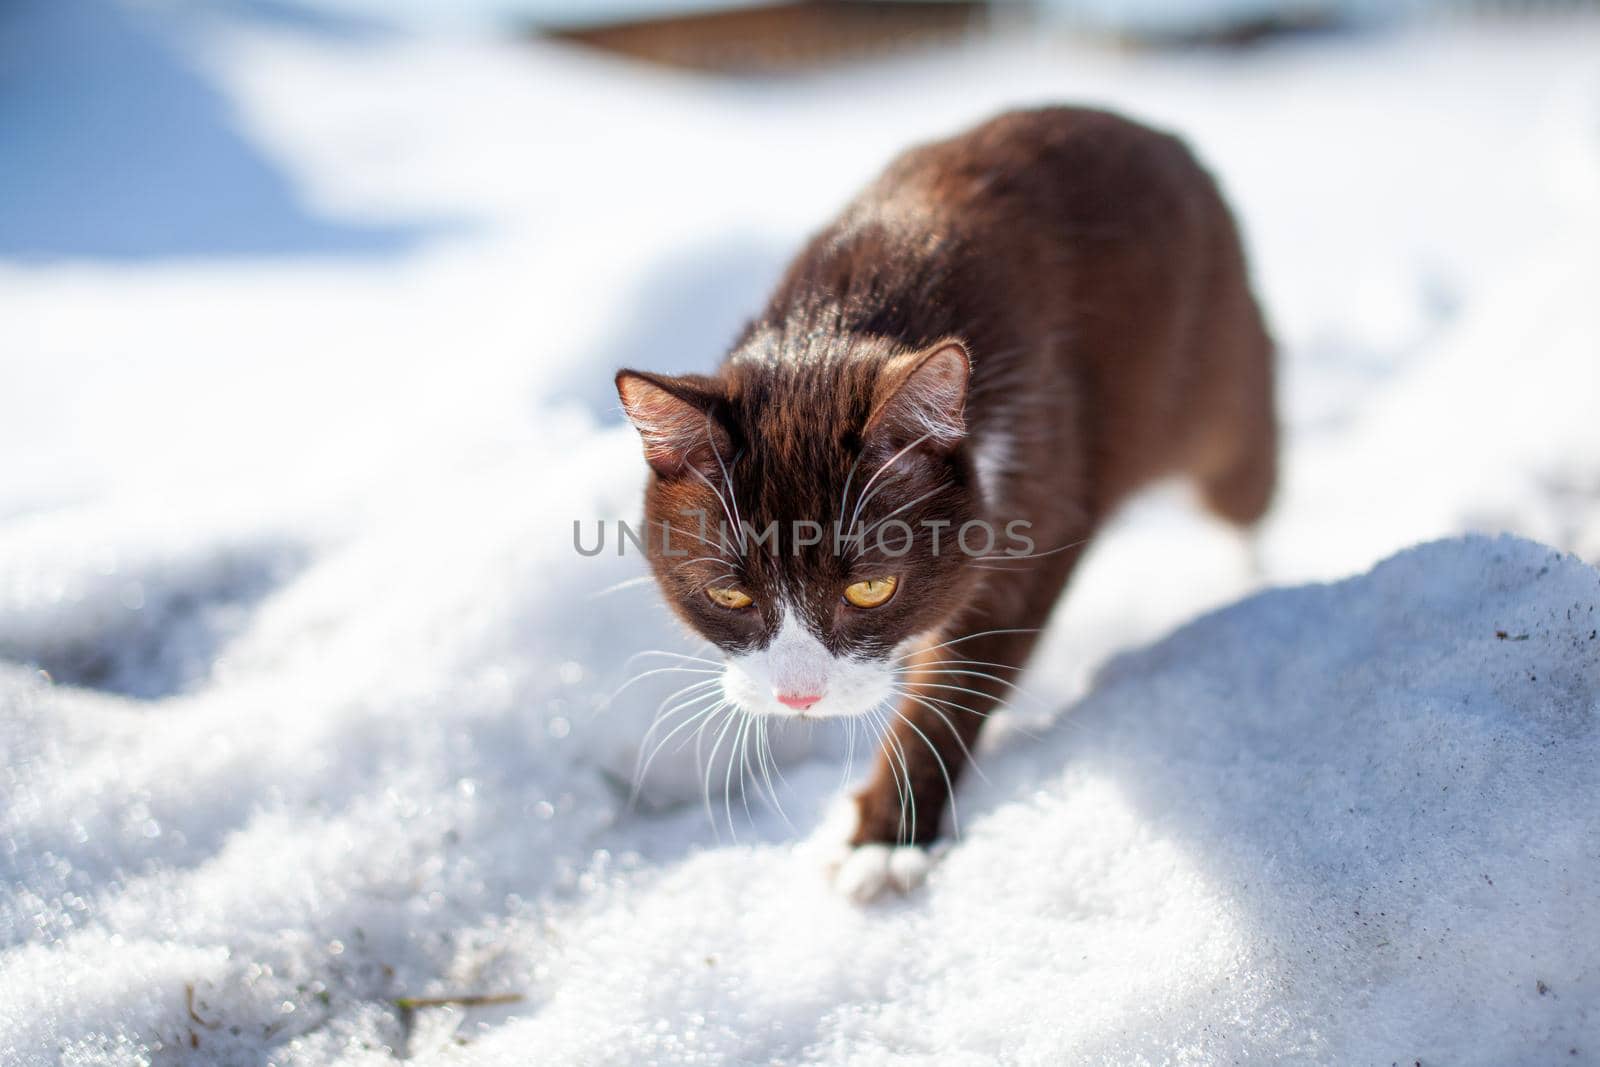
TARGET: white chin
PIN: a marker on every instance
(851, 692)
(795, 661)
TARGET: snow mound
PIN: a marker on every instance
(1349, 822)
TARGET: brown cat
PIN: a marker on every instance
(877, 499)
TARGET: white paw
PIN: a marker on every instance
(863, 873)
(868, 870)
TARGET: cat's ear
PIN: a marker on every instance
(922, 396)
(677, 421)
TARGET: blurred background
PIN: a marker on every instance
(218, 214)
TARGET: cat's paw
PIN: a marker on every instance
(863, 873)
(866, 872)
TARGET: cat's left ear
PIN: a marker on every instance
(677, 421)
(923, 395)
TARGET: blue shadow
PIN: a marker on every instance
(113, 147)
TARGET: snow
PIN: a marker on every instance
(328, 717)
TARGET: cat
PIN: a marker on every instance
(1007, 333)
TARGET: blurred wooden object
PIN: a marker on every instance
(784, 37)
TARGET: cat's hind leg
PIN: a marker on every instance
(1240, 472)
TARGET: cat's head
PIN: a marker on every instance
(802, 516)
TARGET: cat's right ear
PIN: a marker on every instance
(921, 397)
(677, 421)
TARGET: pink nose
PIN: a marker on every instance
(798, 701)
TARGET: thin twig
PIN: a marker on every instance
(465, 1000)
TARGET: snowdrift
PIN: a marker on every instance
(1348, 822)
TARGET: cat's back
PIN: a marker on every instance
(1030, 201)
(1087, 261)
(1071, 160)
(1037, 180)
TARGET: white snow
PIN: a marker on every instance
(286, 515)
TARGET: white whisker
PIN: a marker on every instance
(844, 497)
(626, 583)
(960, 672)
(859, 539)
(741, 746)
(972, 760)
(667, 526)
(1003, 556)
(642, 767)
(654, 671)
(711, 764)
(766, 762)
(866, 489)
(968, 637)
(950, 786)
(674, 655)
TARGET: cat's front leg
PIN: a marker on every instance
(954, 688)
(863, 872)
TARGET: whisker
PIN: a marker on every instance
(1016, 690)
(950, 786)
(667, 526)
(726, 513)
(687, 694)
(985, 663)
(968, 637)
(866, 489)
(700, 559)
(933, 669)
(849, 752)
(882, 724)
(711, 764)
(777, 768)
(859, 539)
(683, 691)
(642, 768)
(739, 755)
(956, 705)
(765, 760)
(664, 715)
(699, 735)
(716, 705)
(844, 497)
(626, 583)
(908, 799)
(890, 749)
(658, 670)
(738, 524)
(959, 671)
(772, 756)
(1032, 555)
(959, 689)
(927, 702)
(674, 655)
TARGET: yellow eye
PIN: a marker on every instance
(871, 593)
(728, 597)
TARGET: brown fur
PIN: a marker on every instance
(1089, 268)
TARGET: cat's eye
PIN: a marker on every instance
(870, 593)
(726, 596)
